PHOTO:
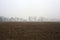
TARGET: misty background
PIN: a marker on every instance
(24, 8)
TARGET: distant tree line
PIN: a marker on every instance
(30, 19)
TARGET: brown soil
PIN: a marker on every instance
(30, 31)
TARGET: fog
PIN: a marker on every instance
(26, 8)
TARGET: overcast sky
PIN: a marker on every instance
(25, 8)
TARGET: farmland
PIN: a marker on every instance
(30, 31)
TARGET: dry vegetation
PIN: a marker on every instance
(30, 31)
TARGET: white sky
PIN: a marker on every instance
(25, 8)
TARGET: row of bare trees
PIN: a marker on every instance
(33, 19)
